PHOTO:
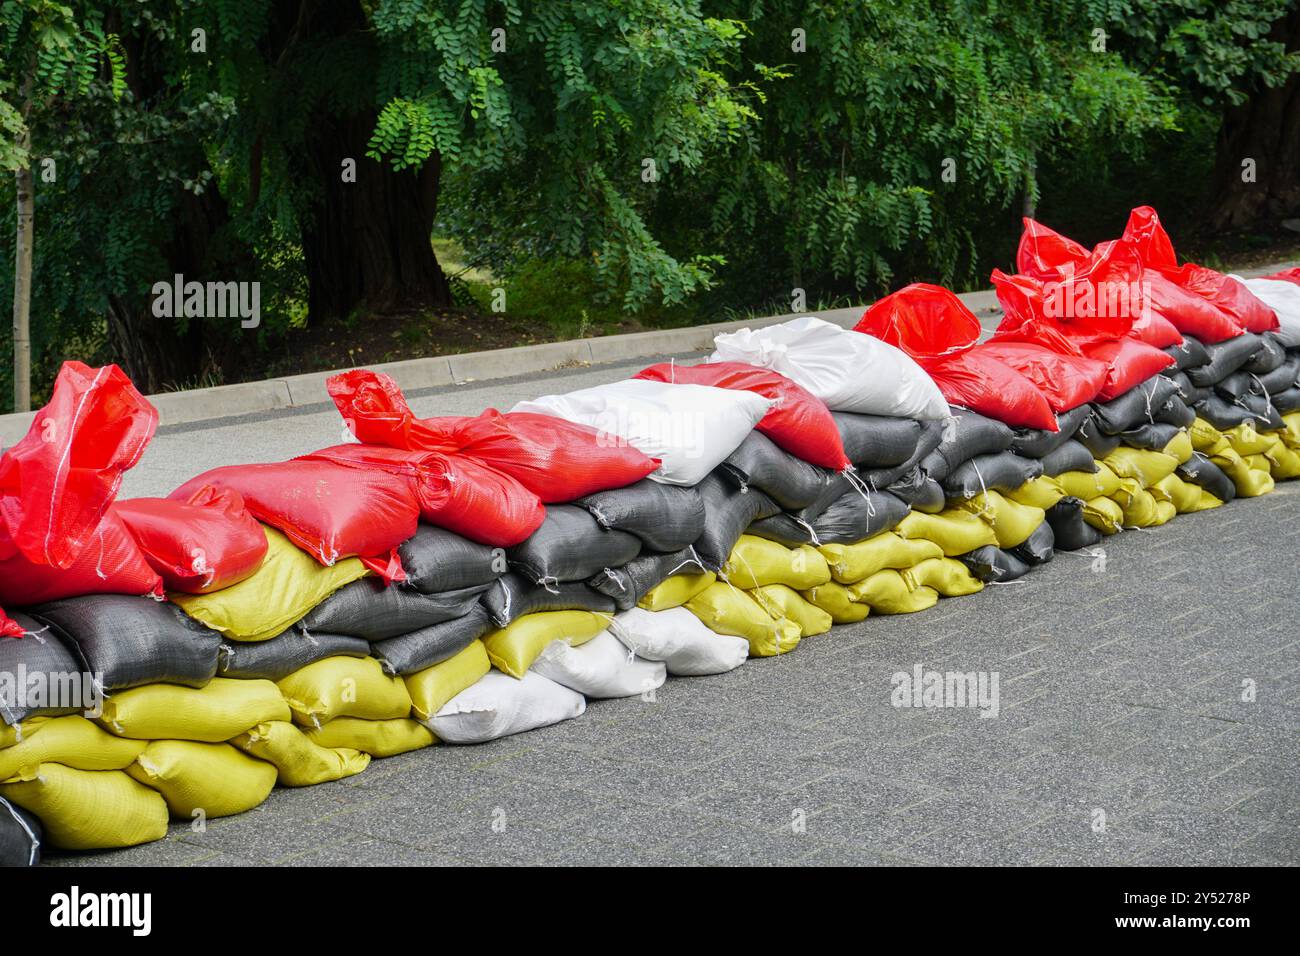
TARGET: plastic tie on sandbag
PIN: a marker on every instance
(850, 475)
(550, 583)
(35, 852)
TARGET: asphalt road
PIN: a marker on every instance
(1123, 733)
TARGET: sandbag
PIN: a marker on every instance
(1175, 412)
(1004, 471)
(1100, 481)
(1281, 294)
(726, 610)
(992, 564)
(888, 592)
(1069, 531)
(1188, 392)
(378, 738)
(858, 515)
(372, 610)
(759, 463)
(72, 741)
(1145, 467)
(216, 780)
(297, 759)
(1200, 471)
(947, 576)
(836, 600)
(628, 585)
(1268, 357)
(571, 546)
(1224, 415)
(130, 641)
(1067, 381)
(1129, 362)
(953, 530)
(281, 656)
(680, 640)
(48, 664)
(1187, 354)
(600, 669)
(1286, 401)
(1039, 443)
(850, 563)
(1135, 407)
(431, 688)
(432, 645)
(1281, 378)
(498, 706)
(727, 513)
(798, 421)
(88, 809)
(783, 603)
(1012, 522)
(20, 836)
(1098, 443)
(665, 517)
(437, 560)
(222, 709)
(755, 562)
(689, 429)
(1225, 357)
(513, 649)
(829, 362)
(877, 441)
(967, 434)
(1072, 456)
(932, 434)
(1039, 547)
(513, 596)
(675, 591)
(919, 491)
(784, 528)
(344, 687)
(1153, 436)
(197, 546)
(1042, 492)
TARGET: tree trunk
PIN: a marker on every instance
(25, 235)
(1265, 129)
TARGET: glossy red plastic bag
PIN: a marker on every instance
(556, 460)
(57, 482)
(935, 328)
(1287, 275)
(1044, 253)
(454, 492)
(1188, 312)
(9, 627)
(1066, 380)
(799, 422)
(110, 563)
(329, 510)
(1128, 364)
(198, 546)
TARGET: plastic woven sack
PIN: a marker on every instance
(1069, 530)
(992, 564)
(281, 656)
(571, 546)
(297, 759)
(726, 610)
(858, 515)
(428, 646)
(851, 563)
(890, 592)
(433, 686)
(783, 603)
(88, 809)
(216, 779)
(438, 560)
(727, 513)
(41, 655)
(1039, 547)
(379, 738)
(789, 481)
(628, 585)
(837, 601)
(1128, 363)
(370, 609)
(514, 648)
(1003, 471)
(600, 669)
(1067, 381)
(513, 596)
(218, 711)
(20, 836)
(498, 706)
(72, 741)
(344, 687)
(665, 517)
(1283, 298)
(877, 441)
(679, 639)
(1035, 443)
(965, 435)
(755, 562)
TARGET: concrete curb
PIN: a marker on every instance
(296, 391)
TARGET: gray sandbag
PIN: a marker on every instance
(1039, 547)
(39, 652)
(789, 481)
(571, 545)
(1136, 406)
(1235, 386)
(1224, 415)
(1270, 354)
(1098, 443)
(1175, 412)
(931, 435)
(859, 515)
(20, 836)
(1153, 436)
(1000, 471)
(1286, 402)
(279, 657)
(130, 640)
(1188, 355)
(727, 513)
(1224, 358)
(1199, 470)
(372, 610)
(991, 564)
(438, 560)
(633, 581)
(408, 653)
(840, 484)
(784, 528)
(919, 491)
(1188, 392)
(962, 438)
(513, 596)
(1069, 531)
(1039, 443)
(1072, 456)
(663, 517)
(877, 441)
(1281, 378)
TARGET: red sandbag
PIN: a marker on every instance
(454, 492)
(1231, 297)
(1188, 312)
(556, 460)
(799, 422)
(329, 510)
(931, 324)
(57, 482)
(9, 627)
(1044, 253)
(1287, 275)
(1129, 363)
(110, 563)
(1066, 380)
(198, 546)
(1155, 330)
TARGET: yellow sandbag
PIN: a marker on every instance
(1141, 464)
(835, 600)
(1245, 440)
(725, 610)
(1205, 502)
(88, 809)
(1012, 522)
(1103, 514)
(1183, 495)
(513, 649)
(1205, 437)
(1137, 504)
(888, 592)
(675, 591)
(1249, 482)
(344, 687)
(432, 687)
(11, 734)
(1284, 462)
(1291, 435)
(1041, 492)
(299, 761)
(955, 531)
(72, 741)
(948, 576)
(1088, 485)
(216, 779)
(225, 708)
(379, 738)
(289, 583)
(756, 561)
(850, 563)
(1180, 448)
(1165, 512)
(784, 603)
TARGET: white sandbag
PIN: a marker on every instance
(679, 639)
(849, 371)
(1283, 298)
(601, 668)
(689, 428)
(498, 706)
